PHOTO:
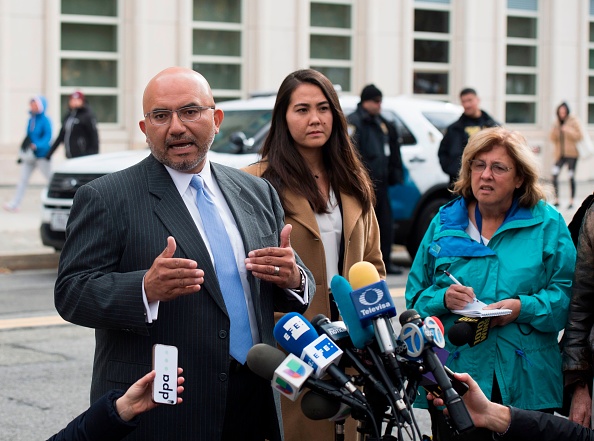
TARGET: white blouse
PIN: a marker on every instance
(330, 226)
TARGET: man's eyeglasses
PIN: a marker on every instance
(498, 169)
(185, 114)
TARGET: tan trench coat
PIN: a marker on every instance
(361, 239)
(572, 134)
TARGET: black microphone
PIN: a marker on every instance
(456, 407)
(318, 407)
(471, 330)
(410, 316)
(263, 360)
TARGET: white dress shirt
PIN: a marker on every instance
(188, 194)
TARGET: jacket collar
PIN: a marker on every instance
(452, 240)
(454, 215)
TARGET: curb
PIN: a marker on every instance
(29, 262)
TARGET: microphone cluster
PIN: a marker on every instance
(388, 368)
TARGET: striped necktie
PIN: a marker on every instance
(227, 272)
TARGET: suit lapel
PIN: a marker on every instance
(172, 212)
(242, 210)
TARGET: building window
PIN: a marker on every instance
(90, 55)
(431, 47)
(217, 45)
(591, 66)
(521, 81)
(330, 40)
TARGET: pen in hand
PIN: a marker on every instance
(453, 278)
(457, 282)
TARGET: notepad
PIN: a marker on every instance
(475, 309)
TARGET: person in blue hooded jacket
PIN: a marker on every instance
(510, 249)
(39, 133)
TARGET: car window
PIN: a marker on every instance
(253, 123)
(441, 120)
(405, 136)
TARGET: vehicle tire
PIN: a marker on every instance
(426, 215)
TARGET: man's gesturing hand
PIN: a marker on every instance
(276, 264)
(170, 277)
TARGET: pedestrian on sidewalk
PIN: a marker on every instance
(79, 129)
(565, 134)
(39, 134)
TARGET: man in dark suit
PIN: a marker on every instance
(115, 275)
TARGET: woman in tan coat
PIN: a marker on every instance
(565, 134)
(328, 199)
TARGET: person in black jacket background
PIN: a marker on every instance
(79, 129)
(371, 133)
(456, 137)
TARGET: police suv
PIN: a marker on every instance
(420, 123)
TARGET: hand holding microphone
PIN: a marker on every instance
(424, 341)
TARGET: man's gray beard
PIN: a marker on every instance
(185, 165)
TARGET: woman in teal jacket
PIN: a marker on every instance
(510, 249)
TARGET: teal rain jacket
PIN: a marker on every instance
(530, 257)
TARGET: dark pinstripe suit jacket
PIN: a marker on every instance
(118, 225)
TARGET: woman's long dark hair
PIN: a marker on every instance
(564, 104)
(287, 168)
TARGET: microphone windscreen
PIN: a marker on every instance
(362, 274)
(439, 323)
(410, 315)
(460, 334)
(341, 290)
(263, 359)
(294, 332)
(317, 407)
(319, 320)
